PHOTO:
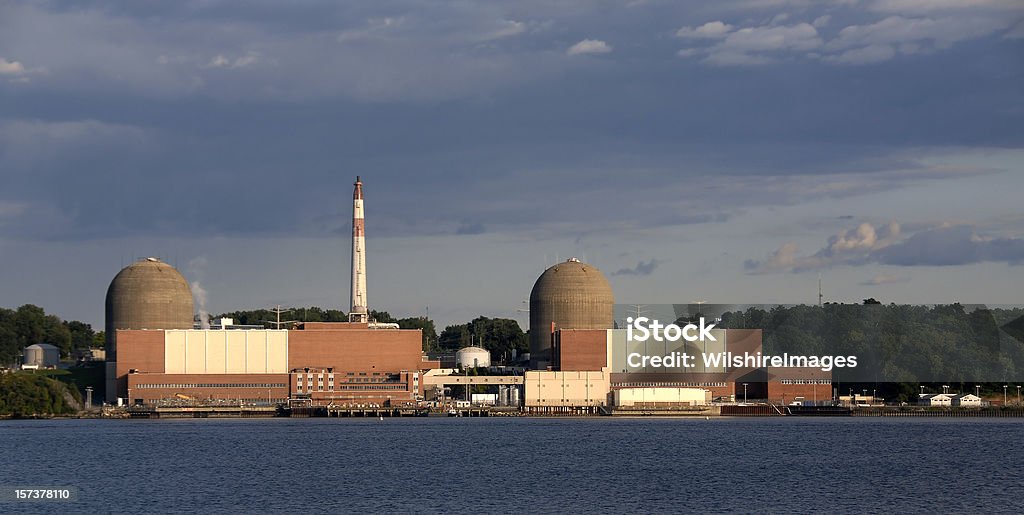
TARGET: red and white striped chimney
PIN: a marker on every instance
(357, 310)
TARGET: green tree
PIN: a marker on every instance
(425, 325)
(82, 334)
(382, 317)
(499, 335)
(454, 337)
(25, 394)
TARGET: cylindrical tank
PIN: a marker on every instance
(513, 396)
(148, 294)
(33, 355)
(473, 357)
(41, 355)
(569, 295)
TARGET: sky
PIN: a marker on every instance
(730, 151)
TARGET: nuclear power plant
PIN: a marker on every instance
(157, 355)
(156, 352)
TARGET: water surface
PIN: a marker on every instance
(521, 464)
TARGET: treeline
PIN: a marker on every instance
(25, 395)
(29, 325)
(955, 345)
(498, 335)
(268, 319)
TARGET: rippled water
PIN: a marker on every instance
(528, 464)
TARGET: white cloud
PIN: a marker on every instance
(853, 247)
(508, 28)
(784, 258)
(927, 6)
(218, 61)
(245, 60)
(710, 30)
(865, 55)
(373, 28)
(222, 61)
(872, 42)
(11, 67)
(749, 45)
(802, 36)
(864, 237)
(688, 52)
(941, 32)
(589, 46)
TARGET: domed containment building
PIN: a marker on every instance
(148, 294)
(569, 295)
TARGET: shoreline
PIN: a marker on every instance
(884, 413)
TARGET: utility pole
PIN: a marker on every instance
(819, 290)
(278, 311)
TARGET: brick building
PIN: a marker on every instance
(352, 362)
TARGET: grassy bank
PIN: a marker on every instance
(26, 394)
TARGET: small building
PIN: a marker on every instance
(90, 354)
(484, 399)
(661, 397)
(937, 399)
(967, 400)
(41, 355)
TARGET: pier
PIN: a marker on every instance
(201, 411)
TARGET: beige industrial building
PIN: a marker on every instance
(211, 351)
(548, 391)
(661, 397)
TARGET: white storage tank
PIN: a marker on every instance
(473, 357)
(42, 355)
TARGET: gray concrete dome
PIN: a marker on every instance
(572, 295)
(148, 294)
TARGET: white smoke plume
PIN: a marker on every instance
(195, 267)
(200, 295)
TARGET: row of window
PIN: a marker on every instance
(806, 381)
(299, 381)
(673, 384)
(339, 373)
(356, 387)
(213, 385)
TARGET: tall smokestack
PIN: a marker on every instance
(357, 311)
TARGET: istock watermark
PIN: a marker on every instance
(643, 329)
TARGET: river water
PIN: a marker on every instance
(530, 465)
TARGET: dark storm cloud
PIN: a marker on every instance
(947, 246)
(254, 118)
(888, 244)
(641, 268)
